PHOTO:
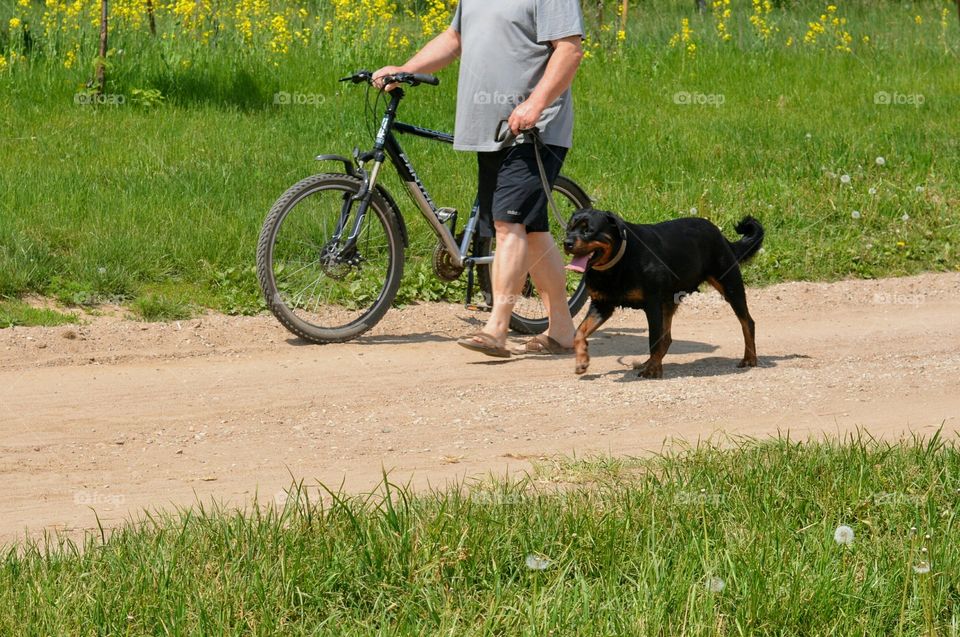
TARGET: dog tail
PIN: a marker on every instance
(750, 241)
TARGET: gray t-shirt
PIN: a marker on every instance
(505, 46)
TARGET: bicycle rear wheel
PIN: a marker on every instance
(529, 313)
(314, 289)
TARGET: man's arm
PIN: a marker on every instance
(557, 78)
(435, 55)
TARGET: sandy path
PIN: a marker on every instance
(118, 415)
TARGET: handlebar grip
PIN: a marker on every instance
(426, 78)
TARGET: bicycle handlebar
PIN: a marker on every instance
(413, 79)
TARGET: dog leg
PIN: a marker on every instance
(659, 322)
(731, 287)
(596, 316)
(664, 342)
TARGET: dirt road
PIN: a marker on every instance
(117, 415)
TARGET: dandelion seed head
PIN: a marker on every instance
(843, 535)
(919, 189)
(844, 178)
(921, 568)
(537, 563)
(855, 214)
(905, 217)
(872, 191)
(881, 161)
(693, 210)
(715, 584)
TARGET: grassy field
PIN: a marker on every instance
(851, 159)
(773, 538)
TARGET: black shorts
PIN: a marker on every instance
(509, 186)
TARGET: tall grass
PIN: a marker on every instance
(163, 195)
(702, 541)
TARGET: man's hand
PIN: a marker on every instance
(380, 74)
(525, 116)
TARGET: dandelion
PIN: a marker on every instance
(905, 217)
(693, 210)
(3, 63)
(872, 191)
(537, 563)
(844, 178)
(881, 161)
(919, 189)
(921, 568)
(843, 535)
(715, 584)
(856, 215)
(918, 19)
(14, 23)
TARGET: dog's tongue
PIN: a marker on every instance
(579, 264)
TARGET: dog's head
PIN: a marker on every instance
(593, 238)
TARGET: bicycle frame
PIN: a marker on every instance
(386, 147)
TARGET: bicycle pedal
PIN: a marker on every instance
(473, 307)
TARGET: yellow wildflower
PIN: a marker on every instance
(918, 19)
(3, 63)
(14, 23)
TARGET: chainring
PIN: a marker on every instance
(443, 265)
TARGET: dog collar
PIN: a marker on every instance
(616, 259)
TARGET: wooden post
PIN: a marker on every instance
(600, 13)
(151, 19)
(701, 6)
(101, 80)
(623, 15)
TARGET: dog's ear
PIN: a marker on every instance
(614, 220)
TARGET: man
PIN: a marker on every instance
(518, 59)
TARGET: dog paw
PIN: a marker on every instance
(582, 366)
(641, 365)
(651, 371)
(748, 362)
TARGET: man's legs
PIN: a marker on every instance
(517, 254)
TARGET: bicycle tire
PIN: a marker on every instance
(379, 212)
(567, 190)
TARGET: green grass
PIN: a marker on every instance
(629, 546)
(110, 202)
(15, 313)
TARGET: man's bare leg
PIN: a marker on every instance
(546, 269)
(509, 275)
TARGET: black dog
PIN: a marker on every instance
(651, 267)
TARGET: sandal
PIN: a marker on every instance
(543, 344)
(485, 344)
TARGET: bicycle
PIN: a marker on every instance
(331, 251)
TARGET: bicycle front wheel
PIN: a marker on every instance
(529, 312)
(317, 290)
